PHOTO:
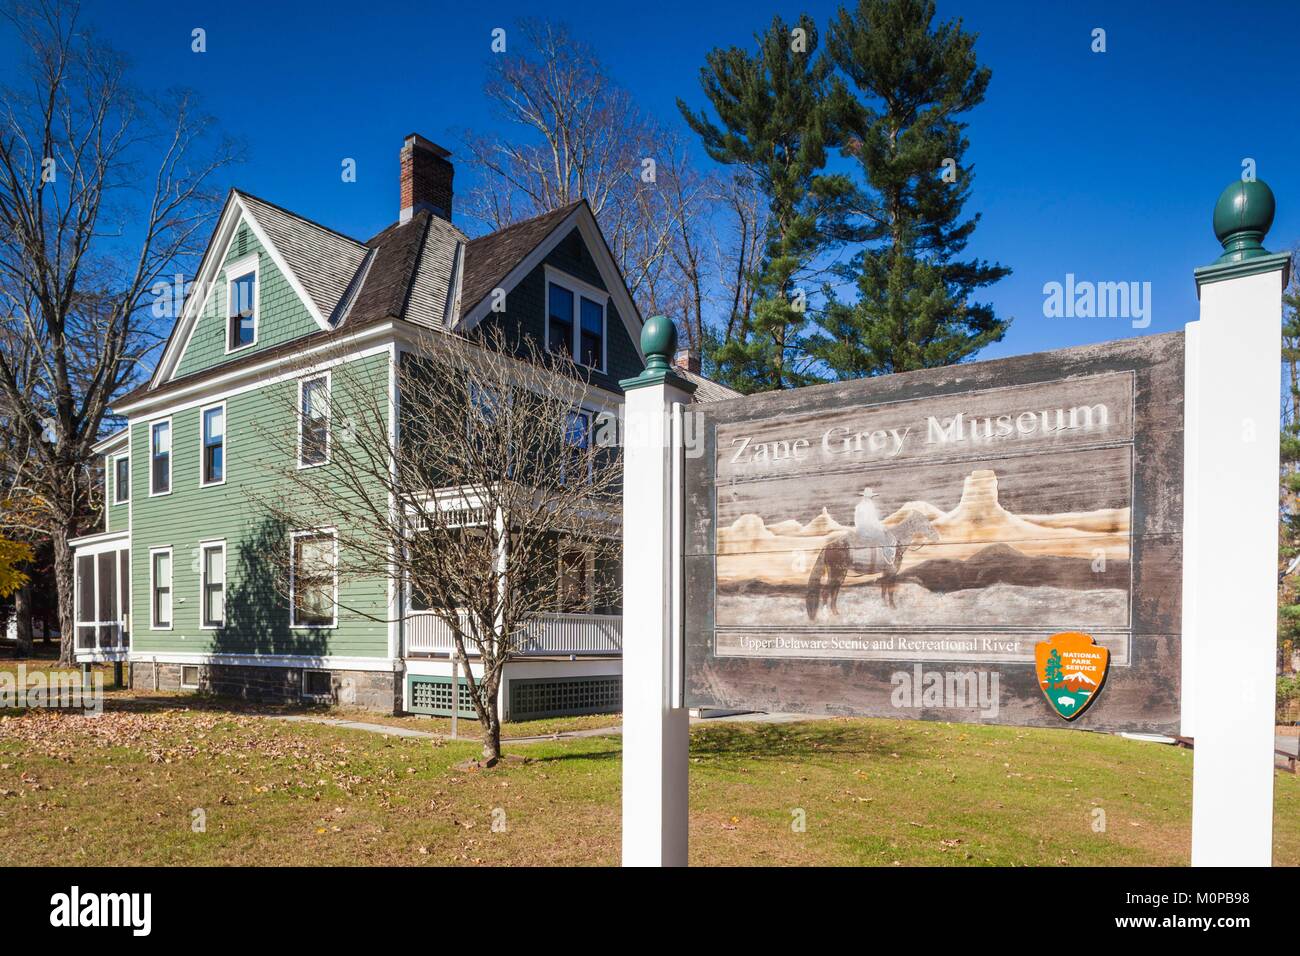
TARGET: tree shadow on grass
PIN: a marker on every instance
(756, 741)
(567, 756)
(204, 701)
(805, 739)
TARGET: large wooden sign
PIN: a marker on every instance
(900, 546)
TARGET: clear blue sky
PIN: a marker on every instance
(1102, 165)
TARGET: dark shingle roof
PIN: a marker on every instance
(394, 253)
(432, 286)
(410, 272)
(322, 260)
(406, 272)
(488, 259)
(706, 389)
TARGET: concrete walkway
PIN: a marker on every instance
(1288, 743)
(390, 731)
(610, 731)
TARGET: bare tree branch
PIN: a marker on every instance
(494, 500)
(103, 193)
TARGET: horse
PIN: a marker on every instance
(842, 554)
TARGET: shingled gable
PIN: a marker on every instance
(489, 259)
(502, 258)
(318, 263)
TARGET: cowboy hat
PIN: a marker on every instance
(868, 493)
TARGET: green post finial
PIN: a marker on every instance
(659, 343)
(1242, 216)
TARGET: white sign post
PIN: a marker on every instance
(656, 729)
(1230, 534)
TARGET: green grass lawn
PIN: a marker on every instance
(121, 789)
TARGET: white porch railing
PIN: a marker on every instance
(548, 634)
(98, 641)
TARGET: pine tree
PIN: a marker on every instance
(1053, 672)
(1288, 609)
(911, 82)
(774, 116)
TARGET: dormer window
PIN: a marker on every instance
(241, 304)
(575, 319)
(559, 319)
(591, 334)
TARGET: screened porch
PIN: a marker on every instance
(584, 617)
(102, 597)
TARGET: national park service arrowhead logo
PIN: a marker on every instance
(1071, 670)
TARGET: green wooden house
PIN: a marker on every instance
(283, 314)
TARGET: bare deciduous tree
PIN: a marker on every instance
(474, 503)
(103, 194)
(689, 244)
(738, 250)
(575, 134)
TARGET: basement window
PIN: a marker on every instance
(316, 685)
(190, 677)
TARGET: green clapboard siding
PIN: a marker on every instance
(257, 614)
(118, 517)
(281, 314)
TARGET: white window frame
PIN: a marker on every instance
(293, 587)
(590, 416)
(237, 270)
(329, 416)
(205, 546)
(580, 290)
(171, 456)
(171, 588)
(117, 498)
(225, 444)
(197, 677)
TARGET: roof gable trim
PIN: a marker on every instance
(582, 218)
(236, 211)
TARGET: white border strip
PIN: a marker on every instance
(378, 664)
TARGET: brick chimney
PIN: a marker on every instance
(688, 359)
(426, 178)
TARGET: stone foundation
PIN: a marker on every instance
(370, 690)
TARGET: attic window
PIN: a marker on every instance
(241, 299)
(575, 319)
(559, 319)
